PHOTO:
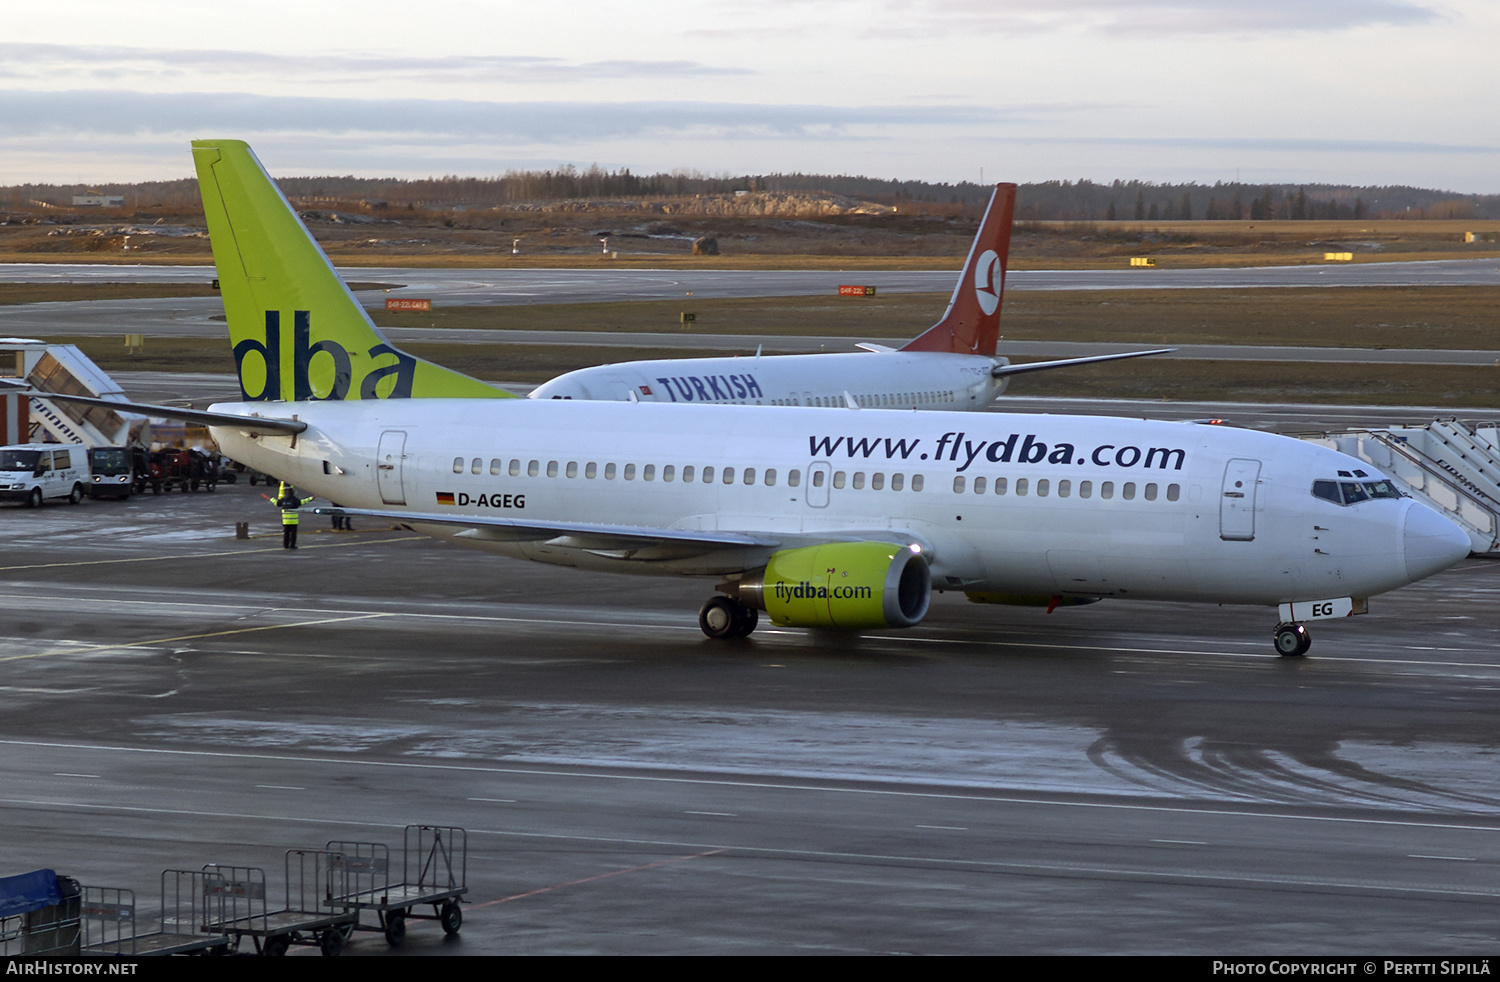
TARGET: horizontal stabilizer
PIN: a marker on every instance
(1043, 366)
(251, 424)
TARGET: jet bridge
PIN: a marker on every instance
(1450, 464)
(64, 369)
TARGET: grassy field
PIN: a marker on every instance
(1362, 317)
(437, 259)
(484, 239)
(1116, 257)
(1147, 380)
(14, 293)
(1366, 317)
(1427, 318)
(896, 315)
(1374, 317)
(1465, 317)
(18, 293)
(1100, 245)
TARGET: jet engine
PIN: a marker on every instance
(840, 585)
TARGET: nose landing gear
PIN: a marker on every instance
(1292, 640)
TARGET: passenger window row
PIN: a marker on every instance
(687, 474)
(858, 480)
(1042, 487)
(892, 400)
(667, 473)
(877, 480)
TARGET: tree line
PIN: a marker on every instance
(1081, 200)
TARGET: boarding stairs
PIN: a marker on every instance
(64, 369)
(1452, 465)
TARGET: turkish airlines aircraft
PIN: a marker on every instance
(830, 518)
(950, 366)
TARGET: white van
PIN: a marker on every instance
(32, 472)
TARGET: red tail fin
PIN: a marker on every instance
(971, 325)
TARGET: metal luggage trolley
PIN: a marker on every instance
(434, 871)
(189, 900)
(39, 914)
(309, 917)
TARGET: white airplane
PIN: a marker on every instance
(952, 365)
(829, 519)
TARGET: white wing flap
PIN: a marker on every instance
(626, 541)
(588, 536)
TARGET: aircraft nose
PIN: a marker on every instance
(1430, 542)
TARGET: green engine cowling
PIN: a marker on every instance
(846, 585)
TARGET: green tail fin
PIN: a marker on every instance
(297, 331)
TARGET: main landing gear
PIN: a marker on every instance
(1292, 640)
(722, 617)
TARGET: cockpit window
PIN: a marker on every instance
(1353, 492)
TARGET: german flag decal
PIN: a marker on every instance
(445, 498)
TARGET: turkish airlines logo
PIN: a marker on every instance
(986, 282)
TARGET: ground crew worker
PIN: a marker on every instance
(288, 502)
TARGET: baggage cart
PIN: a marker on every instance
(189, 901)
(39, 914)
(308, 915)
(186, 470)
(434, 872)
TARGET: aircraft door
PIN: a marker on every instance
(1237, 502)
(389, 467)
(818, 477)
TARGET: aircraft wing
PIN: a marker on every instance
(621, 541)
(1042, 366)
(254, 424)
(624, 541)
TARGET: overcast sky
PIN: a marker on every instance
(1307, 91)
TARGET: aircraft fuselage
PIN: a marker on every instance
(1003, 503)
(878, 380)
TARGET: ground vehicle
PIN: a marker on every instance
(118, 472)
(33, 472)
(186, 470)
(230, 471)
